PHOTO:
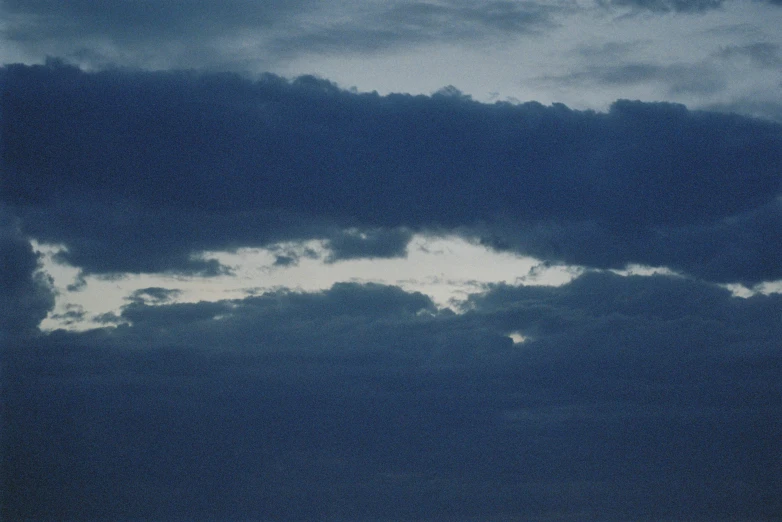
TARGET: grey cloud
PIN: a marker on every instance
(675, 6)
(631, 388)
(719, 251)
(347, 319)
(183, 315)
(132, 19)
(285, 261)
(290, 254)
(378, 243)
(73, 314)
(607, 51)
(665, 6)
(79, 284)
(412, 23)
(140, 33)
(756, 106)
(142, 171)
(677, 78)
(154, 294)
(27, 294)
(506, 16)
(163, 34)
(654, 318)
(762, 54)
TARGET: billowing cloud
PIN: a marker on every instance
(138, 172)
(363, 401)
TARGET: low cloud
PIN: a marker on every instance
(623, 389)
(27, 294)
(186, 163)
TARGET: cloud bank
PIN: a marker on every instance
(633, 397)
(139, 172)
(26, 295)
(610, 397)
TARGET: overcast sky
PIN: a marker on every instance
(391, 260)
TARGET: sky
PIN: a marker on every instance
(397, 260)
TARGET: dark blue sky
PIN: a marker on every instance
(613, 396)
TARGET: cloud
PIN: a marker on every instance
(666, 6)
(142, 171)
(612, 397)
(762, 54)
(73, 314)
(758, 106)
(347, 320)
(243, 34)
(637, 388)
(379, 243)
(741, 248)
(676, 78)
(405, 24)
(154, 294)
(669, 315)
(675, 6)
(144, 34)
(27, 295)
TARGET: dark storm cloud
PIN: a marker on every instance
(26, 295)
(138, 172)
(636, 398)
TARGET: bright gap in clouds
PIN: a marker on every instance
(447, 269)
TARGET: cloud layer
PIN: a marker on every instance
(26, 295)
(607, 398)
(635, 397)
(138, 172)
